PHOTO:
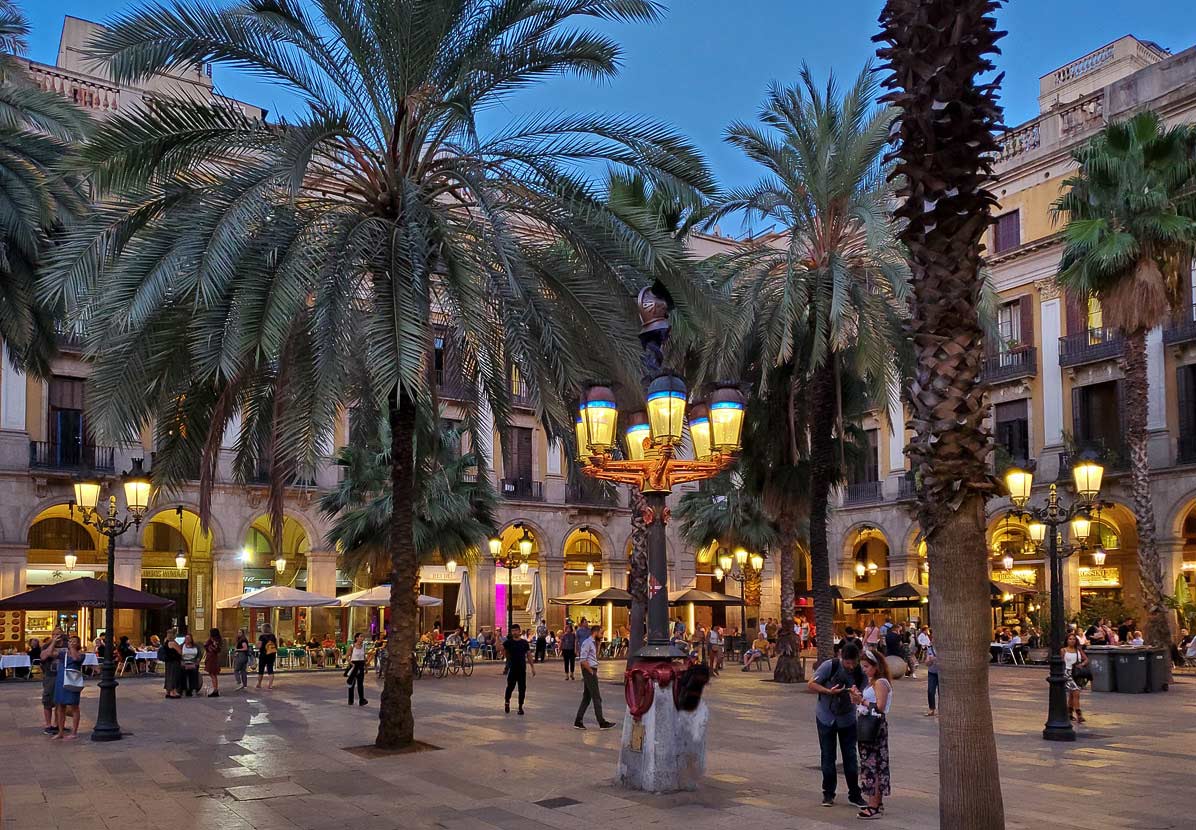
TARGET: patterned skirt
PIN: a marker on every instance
(874, 763)
(1069, 683)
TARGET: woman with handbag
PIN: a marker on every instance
(355, 674)
(172, 658)
(241, 660)
(68, 686)
(190, 653)
(872, 733)
(267, 652)
(211, 660)
(1075, 672)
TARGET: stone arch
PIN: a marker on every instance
(1179, 513)
(546, 545)
(304, 522)
(215, 528)
(605, 545)
(189, 528)
(852, 533)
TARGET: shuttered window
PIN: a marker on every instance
(1007, 234)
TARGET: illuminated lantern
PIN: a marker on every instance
(666, 410)
(726, 419)
(601, 417)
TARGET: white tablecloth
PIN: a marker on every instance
(90, 659)
(147, 655)
(14, 661)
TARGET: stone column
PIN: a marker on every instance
(13, 561)
(770, 589)
(1071, 584)
(1171, 555)
(127, 572)
(321, 579)
(483, 595)
(904, 569)
(1051, 311)
(228, 580)
(552, 574)
(1158, 439)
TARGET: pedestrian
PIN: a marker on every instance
(516, 649)
(51, 662)
(1073, 655)
(770, 630)
(872, 634)
(923, 641)
(836, 719)
(541, 641)
(68, 685)
(589, 676)
(172, 658)
(356, 671)
(583, 632)
(211, 660)
(932, 673)
(190, 653)
(874, 702)
(241, 660)
(715, 643)
(267, 651)
(569, 650)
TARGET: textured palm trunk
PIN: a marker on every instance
(789, 667)
(822, 438)
(637, 582)
(1150, 568)
(396, 722)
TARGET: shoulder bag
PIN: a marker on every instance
(72, 679)
(1082, 675)
(867, 726)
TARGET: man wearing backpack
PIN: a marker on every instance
(836, 718)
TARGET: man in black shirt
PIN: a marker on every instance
(516, 649)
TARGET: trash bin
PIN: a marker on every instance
(1100, 660)
(1129, 669)
(1158, 670)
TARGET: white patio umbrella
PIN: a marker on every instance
(277, 596)
(535, 601)
(379, 597)
(465, 609)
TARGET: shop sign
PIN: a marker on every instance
(1107, 577)
(1017, 576)
(1189, 566)
(439, 573)
(164, 573)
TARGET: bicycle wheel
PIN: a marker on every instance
(466, 665)
(440, 666)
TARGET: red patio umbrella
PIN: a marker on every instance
(83, 592)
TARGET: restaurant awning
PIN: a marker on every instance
(83, 592)
(379, 597)
(595, 596)
(685, 596)
(901, 595)
(277, 596)
(837, 592)
(1001, 588)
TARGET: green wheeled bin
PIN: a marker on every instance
(1158, 670)
(1130, 669)
(1100, 660)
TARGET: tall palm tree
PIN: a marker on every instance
(726, 512)
(828, 293)
(238, 267)
(945, 148)
(37, 130)
(1130, 236)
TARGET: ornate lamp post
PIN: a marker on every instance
(517, 557)
(1044, 523)
(87, 497)
(741, 567)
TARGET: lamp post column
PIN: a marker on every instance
(510, 598)
(658, 645)
(106, 727)
(1058, 726)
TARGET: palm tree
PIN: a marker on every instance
(827, 294)
(725, 511)
(1130, 235)
(37, 130)
(284, 272)
(944, 151)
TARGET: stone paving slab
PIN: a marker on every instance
(278, 760)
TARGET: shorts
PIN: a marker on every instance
(48, 681)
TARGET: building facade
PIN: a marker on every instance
(1052, 375)
(580, 533)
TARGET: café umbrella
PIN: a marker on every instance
(277, 596)
(379, 597)
(535, 601)
(84, 592)
(594, 596)
(465, 609)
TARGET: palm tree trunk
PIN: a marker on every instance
(821, 475)
(396, 722)
(1150, 568)
(637, 584)
(959, 587)
(789, 666)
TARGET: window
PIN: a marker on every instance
(1096, 420)
(1096, 316)
(66, 429)
(438, 360)
(1009, 325)
(1007, 234)
(1185, 385)
(867, 467)
(1012, 421)
(517, 454)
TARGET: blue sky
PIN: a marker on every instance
(710, 61)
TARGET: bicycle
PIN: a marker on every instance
(436, 661)
(461, 661)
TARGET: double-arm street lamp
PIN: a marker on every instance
(111, 525)
(518, 556)
(741, 567)
(1045, 523)
(652, 465)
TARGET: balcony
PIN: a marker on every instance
(69, 338)
(521, 396)
(1090, 346)
(592, 495)
(907, 488)
(521, 489)
(1182, 328)
(1018, 362)
(1115, 459)
(862, 492)
(71, 457)
(451, 385)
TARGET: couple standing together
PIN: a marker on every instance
(518, 662)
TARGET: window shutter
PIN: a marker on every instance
(1077, 313)
(1186, 395)
(1120, 448)
(1027, 309)
(1078, 421)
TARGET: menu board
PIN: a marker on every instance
(12, 628)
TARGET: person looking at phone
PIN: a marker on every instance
(836, 718)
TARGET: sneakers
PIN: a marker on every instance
(606, 725)
(363, 703)
(50, 730)
(857, 800)
(213, 694)
(578, 725)
(506, 707)
(828, 801)
(521, 710)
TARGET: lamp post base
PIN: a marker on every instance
(665, 750)
(106, 732)
(1058, 726)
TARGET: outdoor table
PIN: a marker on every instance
(146, 656)
(90, 659)
(14, 661)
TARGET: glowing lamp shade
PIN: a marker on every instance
(1006, 597)
(70, 559)
(87, 495)
(583, 437)
(495, 546)
(873, 567)
(280, 564)
(638, 432)
(246, 553)
(741, 555)
(699, 431)
(1087, 474)
(757, 562)
(1007, 562)
(1098, 557)
(180, 560)
(522, 567)
(589, 569)
(451, 566)
(860, 569)
(601, 417)
(525, 547)
(925, 567)
(1081, 528)
(719, 573)
(1037, 531)
(1019, 482)
(724, 561)
(666, 410)
(137, 489)
(726, 419)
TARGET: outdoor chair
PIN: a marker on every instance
(758, 664)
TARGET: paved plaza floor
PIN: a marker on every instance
(280, 760)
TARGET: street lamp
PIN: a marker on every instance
(1045, 523)
(742, 567)
(108, 523)
(517, 557)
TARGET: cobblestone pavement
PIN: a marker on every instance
(279, 760)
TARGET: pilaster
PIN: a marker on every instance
(13, 563)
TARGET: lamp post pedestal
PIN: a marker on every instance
(1058, 726)
(664, 750)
